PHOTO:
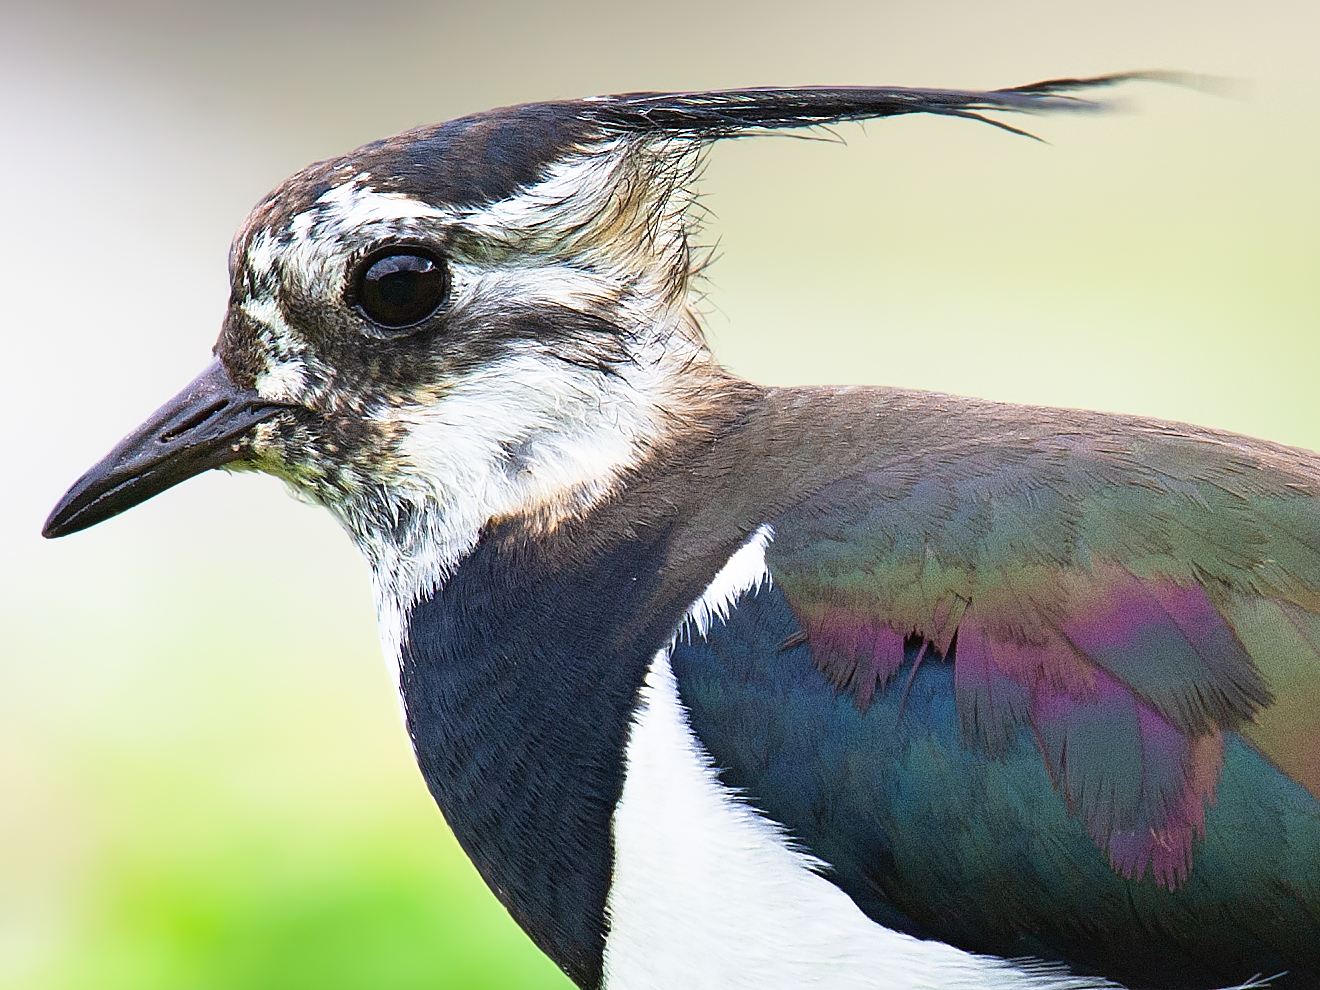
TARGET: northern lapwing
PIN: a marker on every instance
(723, 686)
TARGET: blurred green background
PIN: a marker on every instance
(203, 779)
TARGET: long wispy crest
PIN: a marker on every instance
(743, 112)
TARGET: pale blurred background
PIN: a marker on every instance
(203, 780)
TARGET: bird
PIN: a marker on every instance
(728, 686)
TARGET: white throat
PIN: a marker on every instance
(529, 436)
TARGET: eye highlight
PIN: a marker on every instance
(397, 287)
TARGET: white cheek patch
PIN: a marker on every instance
(708, 894)
(528, 436)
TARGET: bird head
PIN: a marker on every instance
(494, 316)
(486, 318)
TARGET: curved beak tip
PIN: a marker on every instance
(56, 524)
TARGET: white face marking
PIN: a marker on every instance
(708, 894)
(574, 432)
(620, 210)
(285, 376)
(261, 255)
(575, 190)
(355, 204)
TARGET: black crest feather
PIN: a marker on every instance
(735, 112)
(485, 157)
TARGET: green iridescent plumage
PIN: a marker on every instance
(1129, 590)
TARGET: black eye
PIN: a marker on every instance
(399, 288)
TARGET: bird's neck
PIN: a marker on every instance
(520, 674)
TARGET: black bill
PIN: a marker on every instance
(202, 427)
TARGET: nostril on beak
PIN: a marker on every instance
(199, 418)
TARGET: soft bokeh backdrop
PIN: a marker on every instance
(203, 780)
